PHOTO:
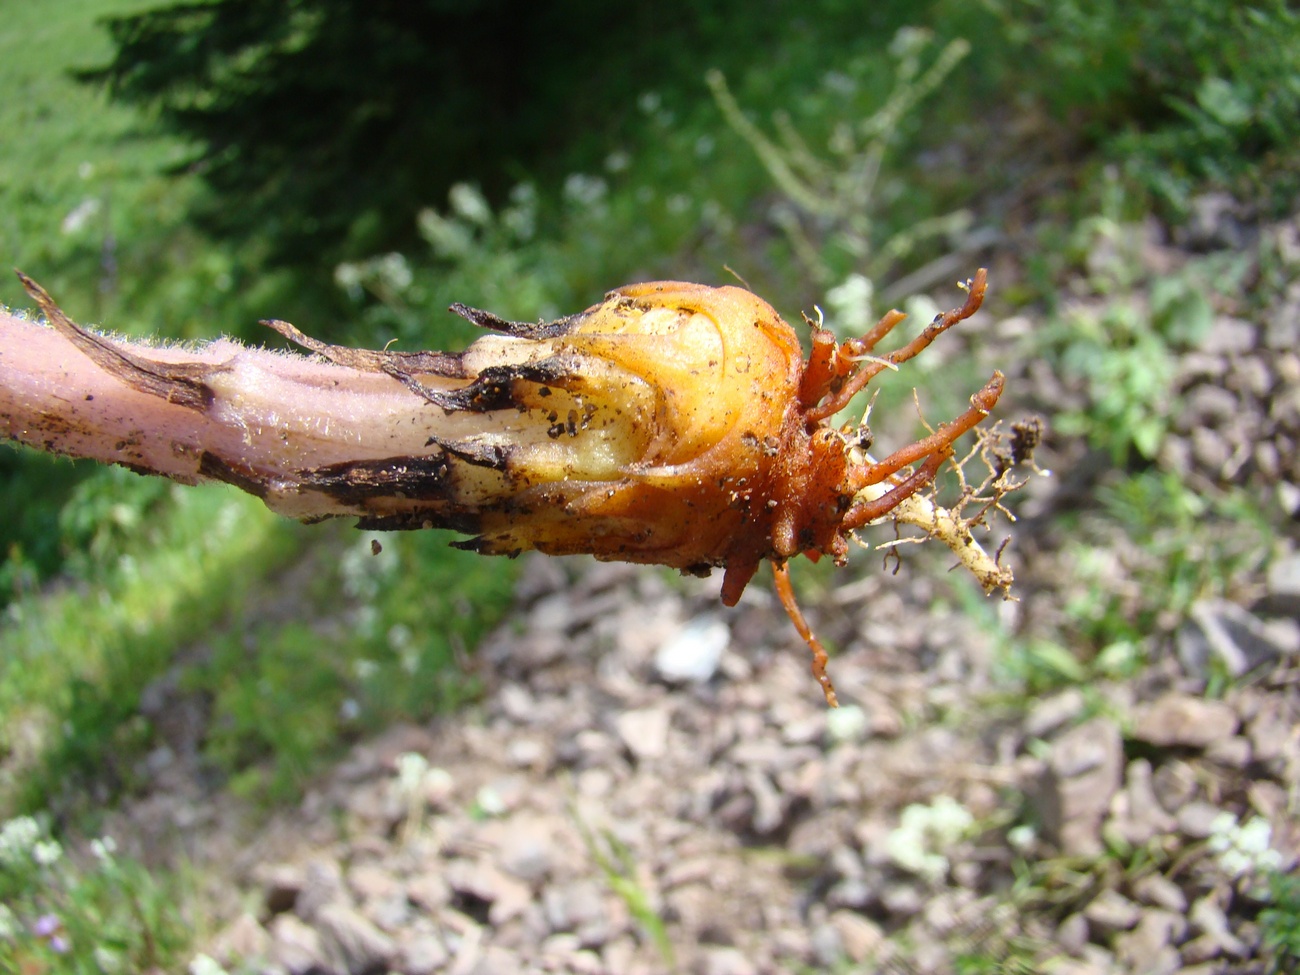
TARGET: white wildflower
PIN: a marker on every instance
(923, 835)
(949, 820)
(1243, 848)
(468, 202)
(850, 304)
(922, 308)
(1021, 838)
(520, 217)
(490, 802)
(206, 965)
(909, 42)
(81, 215)
(17, 837)
(393, 270)
(839, 83)
(585, 192)
(849, 723)
(348, 277)
(103, 848)
(47, 852)
(400, 636)
(447, 236)
(411, 770)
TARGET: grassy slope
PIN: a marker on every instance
(70, 151)
(76, 657)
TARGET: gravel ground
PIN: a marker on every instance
(652, 782)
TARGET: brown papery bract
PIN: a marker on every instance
(672, 424)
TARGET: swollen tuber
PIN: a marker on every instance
(672, 424)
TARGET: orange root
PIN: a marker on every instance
(785, 592)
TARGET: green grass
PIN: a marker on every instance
(79, 179)
(373, 640)
(87, 205)
(73, 661)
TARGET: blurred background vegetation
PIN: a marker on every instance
(186, 169)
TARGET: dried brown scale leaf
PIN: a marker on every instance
(672, 424)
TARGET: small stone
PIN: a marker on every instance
(322, 884)
(528, 753)
(692, 655)
(695, 870)
(243, 940)
(1220, 632)
(389, 913)
(1076, 788)
(1210, 405)
(560, 947)
(1180, 720)
(1230, 336)
(574, 905)
(1212, 223)
(1288, 496)
(295, 946)
(861, 937)
(527, 851)
(1196, 819)
(644, 732)
(1232, 752)
(1136, 816)
(423, 954)
(1270, 731)
(1072, 966)
(1149, 947)
(855, 893)
(805, 731)
(769, 810)
(618, 955)
(1158, 890)
(827, 946)
(1110, 911)
(551, 614)
(726, 961)
(1054, 712)
(429, 891)
(370, 881)
(516, 703)
(1282, 595)
(280, 883)
(350, 942)
(497, 961)
(482, 881)
(1208, 917)
(902, 900)
(1203, 949)
(1072, 934)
